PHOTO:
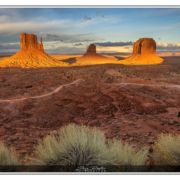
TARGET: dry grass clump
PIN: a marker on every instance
(126, 158)
(73, 146)
(167, 150)
(7, 156)
(83, 146)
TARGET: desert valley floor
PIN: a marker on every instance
(132, 103)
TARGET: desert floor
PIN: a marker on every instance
(131, 103)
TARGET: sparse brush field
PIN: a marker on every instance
(75, 146)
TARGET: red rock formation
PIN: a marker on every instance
(91, 51)
(91, 48)
(31, 55)
(29, 42)
(91, 57)
(144, 52)
(145, 46)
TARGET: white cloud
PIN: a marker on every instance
(127, 49)
(168, 46)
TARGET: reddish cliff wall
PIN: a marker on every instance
(29, 42)
(145, 46)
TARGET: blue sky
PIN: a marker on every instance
(71, 30)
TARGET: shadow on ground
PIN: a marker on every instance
(70, 60)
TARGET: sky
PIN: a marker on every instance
(72, 30)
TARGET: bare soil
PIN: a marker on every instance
(135, 113)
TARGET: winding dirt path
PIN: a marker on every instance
(173, 86)
(44, 95)
(58, 88)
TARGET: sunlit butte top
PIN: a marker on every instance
(145, 46)
(29, 42)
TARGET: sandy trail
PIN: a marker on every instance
(44, 95)
(58, 88)
(173, 86)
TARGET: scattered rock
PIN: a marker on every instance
(151, 142)
(171, 122)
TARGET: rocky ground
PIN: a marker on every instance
(135, 113)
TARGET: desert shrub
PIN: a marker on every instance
(126, 158)
(167, 150)
(83, 146)
(73, 146)
(8, 159)
(7, 156)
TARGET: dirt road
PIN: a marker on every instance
(44, 95)
(59, 88)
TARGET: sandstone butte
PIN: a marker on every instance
(144, 52)
(91, 57)
(31, 55)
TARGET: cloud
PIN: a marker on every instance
(87, 18)
(41, 33)
(79, 44)
(127, 49)
(55, 47)
(50, 36)
(167, 11)
(78, 40)
(168, 47)
(9, 47)
(104, 16)
(5, 46)
(97, 12)
(105, 44)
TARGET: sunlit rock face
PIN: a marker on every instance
(144, 46)
(31, 55)
(91, 57)
(144, 52)
(91, 51)
(29, 42)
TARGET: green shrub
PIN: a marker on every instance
(167, 150)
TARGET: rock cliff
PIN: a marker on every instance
(31, 55)
(29, 42)
(144, 46)
(144, 52)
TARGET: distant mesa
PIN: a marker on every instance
(91, 50)
(91, 55)
(31, 55)
(144, 52)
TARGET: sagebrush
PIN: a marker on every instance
(167, 150)
(83, 146)
(7, 156)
